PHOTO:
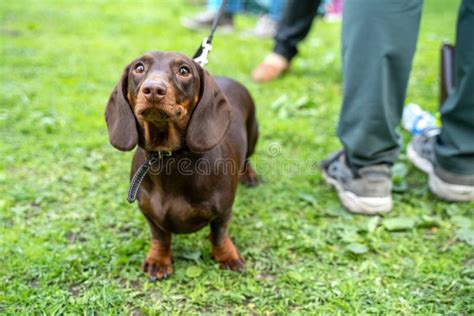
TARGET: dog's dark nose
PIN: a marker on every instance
(154, 90)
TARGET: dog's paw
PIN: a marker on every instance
(236, 265)
(249, 177)
(227, 255)
(157, 269)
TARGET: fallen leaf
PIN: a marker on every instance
(372, 224)
(399, 172)
(357, 248)
(191, 255)
(466, 235)
(399, 223)
(429, 221)
(310, 199)
(461, 221)
(193, 271)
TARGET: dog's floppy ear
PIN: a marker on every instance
(211, 117)
(121, 123)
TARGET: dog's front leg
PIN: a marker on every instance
(223, 249)
(158, 263)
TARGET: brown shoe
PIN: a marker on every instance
(272, 67)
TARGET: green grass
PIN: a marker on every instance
(70, 243)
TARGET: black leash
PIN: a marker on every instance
(201, 54)
(141, 172)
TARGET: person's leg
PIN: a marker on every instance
(232, 6)
(378, 43)
(267, 24)
(213, 5)
(294, 25)
(333, 12)
(448, 158)
(204, 20)
(337, 5)
(454, 148)
(276, 9)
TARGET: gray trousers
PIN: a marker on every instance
(378, 43)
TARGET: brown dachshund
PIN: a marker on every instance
(204, 129)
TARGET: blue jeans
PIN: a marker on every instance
(275, 8)
(233, 6)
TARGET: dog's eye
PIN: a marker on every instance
(184, 71)
(139, 68)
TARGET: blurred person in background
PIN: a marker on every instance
(333, 10)
(266, 25)
(205, 19)
(294, 26)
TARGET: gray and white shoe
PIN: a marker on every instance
(265, 27)
(446, 185)
(420, 150)
(365, 191)
(205, 19)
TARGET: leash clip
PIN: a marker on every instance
(206, 47)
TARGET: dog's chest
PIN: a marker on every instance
(186, 193)
(175, 213)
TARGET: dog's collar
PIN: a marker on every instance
(152, 158)
(158, 155)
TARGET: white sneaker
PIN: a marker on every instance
(266, 27)
(447, 185)
(205, 19)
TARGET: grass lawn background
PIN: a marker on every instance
(70, 243)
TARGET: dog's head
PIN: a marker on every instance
(165, 101)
